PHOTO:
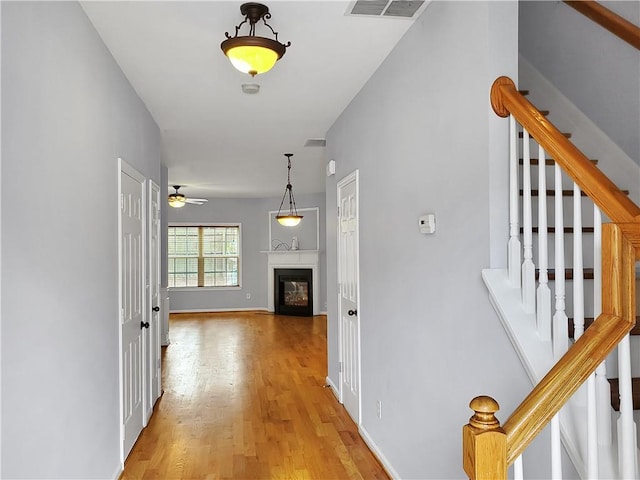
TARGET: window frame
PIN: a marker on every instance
(209, 224)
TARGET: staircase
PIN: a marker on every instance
(569, 307)
(588, 271)
(555, 226)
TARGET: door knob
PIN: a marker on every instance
(144, 325)
(352, 312)
(156, 309)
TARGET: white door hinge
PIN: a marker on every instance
(340, 367)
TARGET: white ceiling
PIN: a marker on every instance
(218, 141)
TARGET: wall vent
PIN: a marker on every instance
(315, 142)
(386, 8)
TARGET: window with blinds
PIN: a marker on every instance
(204, 256)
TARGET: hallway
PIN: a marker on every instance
(244, 398)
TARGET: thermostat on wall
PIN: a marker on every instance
(427, 223)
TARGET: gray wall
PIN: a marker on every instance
(593, 68)
(67, 113)
(253, 214)
(420, 134)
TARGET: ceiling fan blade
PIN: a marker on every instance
(196, 201)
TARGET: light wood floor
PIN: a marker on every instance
(244, 398)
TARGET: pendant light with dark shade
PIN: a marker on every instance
(250, 53)
(292, 218)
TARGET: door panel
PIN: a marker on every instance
(131, 306)
(348, 279)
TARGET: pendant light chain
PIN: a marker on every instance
(292, 201)
(293, 211)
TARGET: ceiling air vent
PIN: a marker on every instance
(315, 142)
(386, 8)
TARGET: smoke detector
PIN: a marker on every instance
(250, 88)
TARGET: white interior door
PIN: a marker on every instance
(131, 228)
(155, 300)
(348, 303)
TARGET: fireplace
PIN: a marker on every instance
(293, 260)
(293, 291)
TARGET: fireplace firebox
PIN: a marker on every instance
(293, 291)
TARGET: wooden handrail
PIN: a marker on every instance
(620, 251)
(591, 349)
(619, 26)
(562, 381)
(506, 99)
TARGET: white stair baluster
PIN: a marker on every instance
(518, 470)
(578, 270)
(581, 395)
(560, 336)
(543, 294)
(592, 429)
(556, 449)
(514, 245)
(528, 268)
(595, 410)
(603, 389)
(627, 445)
(592, 417)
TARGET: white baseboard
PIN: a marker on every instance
(216, 310)
(333, 387)
(378, 453)
(118, 471)
(367, 438)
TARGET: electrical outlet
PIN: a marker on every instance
(248, 296)
(379, 409)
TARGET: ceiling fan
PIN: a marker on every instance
(178, 200)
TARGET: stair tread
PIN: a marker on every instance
(615, 393)
(549, 161)
(568, 273)
(589, 320)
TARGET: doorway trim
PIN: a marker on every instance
(154, 295)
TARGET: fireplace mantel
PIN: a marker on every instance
(292, 259)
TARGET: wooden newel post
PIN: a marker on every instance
(484, 443)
